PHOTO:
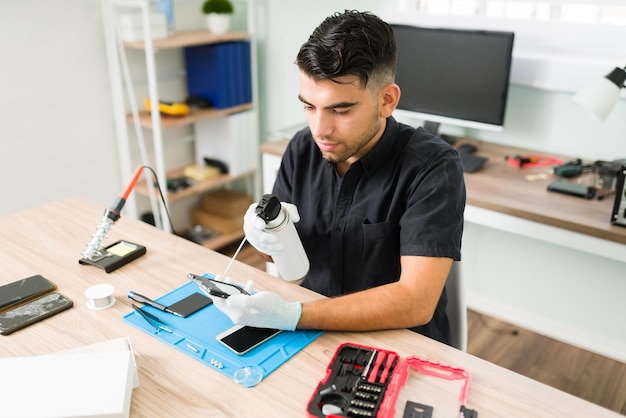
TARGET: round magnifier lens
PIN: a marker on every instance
(248, 376)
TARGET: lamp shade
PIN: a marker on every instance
(600, 96)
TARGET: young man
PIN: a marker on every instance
(380, 204)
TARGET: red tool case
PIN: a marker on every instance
(366, 381)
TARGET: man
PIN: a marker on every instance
(380, 204)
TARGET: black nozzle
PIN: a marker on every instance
(268, 208)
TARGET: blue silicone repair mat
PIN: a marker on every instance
(195, 336)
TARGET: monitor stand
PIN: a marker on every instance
(432, 127)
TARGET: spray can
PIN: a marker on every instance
(292, 262)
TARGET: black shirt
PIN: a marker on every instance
(405, 197)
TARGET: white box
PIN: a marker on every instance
(229, 139)
(90, 383)
(131, 26)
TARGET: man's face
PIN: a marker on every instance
(345, 119)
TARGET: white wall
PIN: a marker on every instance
(56, 128)
(56, 124)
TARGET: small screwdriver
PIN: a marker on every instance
(142, 299)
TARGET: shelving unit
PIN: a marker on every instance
(195, 115)
(196, 188)
(128, 114)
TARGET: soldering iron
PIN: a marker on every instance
(111, 215)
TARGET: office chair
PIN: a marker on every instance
(457, 308)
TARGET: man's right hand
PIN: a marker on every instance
(263, 241)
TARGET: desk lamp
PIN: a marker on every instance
(599, 98)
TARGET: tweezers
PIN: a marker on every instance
(151, 319)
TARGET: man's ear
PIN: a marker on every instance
(389, 98)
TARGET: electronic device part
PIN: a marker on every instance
(217, 288)
(19, 291)
(430, 81)
(417, 410)
(618, 217)
(241, 338)
(33, 311)
(177, 184)
(572, 189)
(570, 169)
(191, 304)
(465, 412)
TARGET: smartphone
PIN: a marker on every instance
(241, 338)
(190, 304)
(216, 288)
(22, 290)
(573, 189)
(33, 311)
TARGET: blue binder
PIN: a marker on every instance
(195, 336)
(220, 72)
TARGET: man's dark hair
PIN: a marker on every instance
(350, 43)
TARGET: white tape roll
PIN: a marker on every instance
(100, 296)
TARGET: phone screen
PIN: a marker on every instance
(242, 339)
(33, 311)
(22, 290)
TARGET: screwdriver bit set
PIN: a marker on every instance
(365, 381)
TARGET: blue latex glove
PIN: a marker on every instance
(263, 241)
(261, 310)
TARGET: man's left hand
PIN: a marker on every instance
(261, 310)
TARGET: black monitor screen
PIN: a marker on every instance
(458, 74)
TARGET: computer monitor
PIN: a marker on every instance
(453, 76)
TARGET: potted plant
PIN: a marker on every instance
(218, 14)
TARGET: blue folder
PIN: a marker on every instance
(221, 73)
(195, 336)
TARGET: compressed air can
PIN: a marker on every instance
(292, 263)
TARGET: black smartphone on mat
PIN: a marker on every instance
(14, 293)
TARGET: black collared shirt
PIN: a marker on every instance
(405, 197)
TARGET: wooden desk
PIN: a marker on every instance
(48, 240)
(505, 189)
(499, 187)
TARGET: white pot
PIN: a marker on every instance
(218, 23)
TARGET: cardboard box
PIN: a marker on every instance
(226, 203)
(221, 224)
